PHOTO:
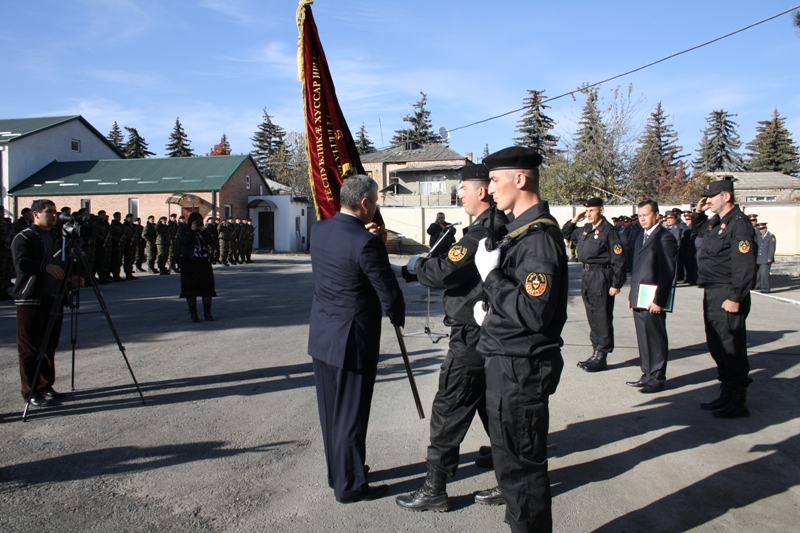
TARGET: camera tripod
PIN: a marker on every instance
(426, 330)
(76, 264)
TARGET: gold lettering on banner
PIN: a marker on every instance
(319, 143)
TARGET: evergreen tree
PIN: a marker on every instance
(536, 127)
(773, 148)
(594, 154)
(363, 144)
(266, 141)
(719, 144)
(420, 130)
(178, 145)
(223, 148)
(657, 157)
(116, 137)
(485, 152)
(136, 147)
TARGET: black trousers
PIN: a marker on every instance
(599, 305)
(462, 392)
(651, 335)
(517, 396)
(344, 398)
(762, 277)
(32, 323)
(726, 335)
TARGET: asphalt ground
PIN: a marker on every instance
(229, 438)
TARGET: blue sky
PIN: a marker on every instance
(217, 63)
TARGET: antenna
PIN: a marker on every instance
(444, 134)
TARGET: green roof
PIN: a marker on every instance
(12, 129)
(130, 176)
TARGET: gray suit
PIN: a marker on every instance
(764, 260)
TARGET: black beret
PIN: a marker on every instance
(594, 202)
(716, 187)
(513, 157)
(475, 173)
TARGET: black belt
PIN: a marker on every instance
(588, 266)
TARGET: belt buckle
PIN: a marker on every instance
(586, 266)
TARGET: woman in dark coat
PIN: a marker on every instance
(197, 276)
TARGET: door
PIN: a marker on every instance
(266, 230)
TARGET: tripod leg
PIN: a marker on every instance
(73, 321)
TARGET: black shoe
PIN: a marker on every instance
(637, 384)
(652, 389)
(40, 401)
(485, 450)
(208, 317)
(490, 497)
(431, 496)
(130, 277)
(226, 264)
(484, 461)
(164, 272)
(117, 278)
(736, 406)
(139, 268)
(598, 364)
(53, 395)
(152, 271)
(371, 492)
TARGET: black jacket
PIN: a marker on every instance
(654, 263)
(602, 246)
(27, 250)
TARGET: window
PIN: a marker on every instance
(228, 211)
(247, 181)
(261, 190)
(86, 204)
(433, 185)
(76, 145)
(761, 199)
(133, 207)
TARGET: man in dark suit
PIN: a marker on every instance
(654, 263)
(353, 284)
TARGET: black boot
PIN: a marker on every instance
(736, 406)
(597, 362)
(430, 497)
(193, 313)
(207, 310)
(721, 401)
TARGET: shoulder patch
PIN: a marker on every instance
(536, 284)
(773, 239)
(744, 246)
(618, 249)
(457, 253)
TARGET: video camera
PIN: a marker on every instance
(79, 228)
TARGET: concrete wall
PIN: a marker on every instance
(411, 222)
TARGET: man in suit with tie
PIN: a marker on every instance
(353, 286)
(654, 262)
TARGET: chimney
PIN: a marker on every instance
(469, 156)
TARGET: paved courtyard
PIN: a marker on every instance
(229, 438)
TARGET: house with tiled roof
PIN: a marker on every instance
(29, 144)
(763, 187)
(416, 174)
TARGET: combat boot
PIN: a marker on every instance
(736, 406)
(592, 358)
(721, 401)
(430, 497)
(597, 363)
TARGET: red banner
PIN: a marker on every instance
(331, 151)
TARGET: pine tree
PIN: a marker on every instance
(363, 144)
(773, 148)
(719, 144)
(594, 156)
(657, 157)
(223, 148)
(136, 147)
(421, 131)
(266, 141)
(536, 127)
(116, 137)
(485, 152)
(178, 142)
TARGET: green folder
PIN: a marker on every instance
(647, 294)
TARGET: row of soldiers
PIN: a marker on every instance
(120, 245)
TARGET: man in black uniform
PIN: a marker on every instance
(525, 283)
(462, 384)
(604, 270)
(727, 267)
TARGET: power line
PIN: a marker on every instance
(634, 70)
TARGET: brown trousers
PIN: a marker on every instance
(32, 323)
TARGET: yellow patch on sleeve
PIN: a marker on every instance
(457, 253)
(744, 247)
(618, 249)
(536, 284)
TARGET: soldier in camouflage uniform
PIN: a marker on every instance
(174, 248)
(149, 236)
(117, 238)
(250, 233)
(102, 248)
(225, 231)
(128, 246)
(139, 243)
(213, 248)
(163, 243)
